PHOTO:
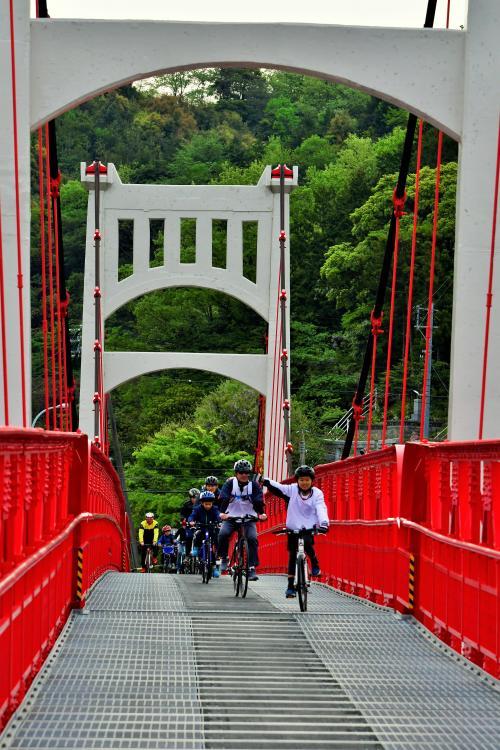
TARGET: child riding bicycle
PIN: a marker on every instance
(167, 544)
(207, 517)
(306, 509)
(238, 498)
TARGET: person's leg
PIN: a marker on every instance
(225, 532)
(292, 555)
(143, 555)
(253, 544)
(197, 540)
(310, 551)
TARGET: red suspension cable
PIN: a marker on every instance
(411, 281)
(54, 192)
(376, 331)
(18, 214)
(428, 327)
(277, 409)
(50, 254)
(489, 294)
(43, 252)
(398, 213)
(4, 331)
(272, 416)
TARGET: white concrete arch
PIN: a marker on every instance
(233, 205)
(214, 279)
(249, 369)
(420, 70)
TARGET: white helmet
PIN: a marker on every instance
(150, 515)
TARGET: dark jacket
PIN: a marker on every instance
(188, 508)
(204, 517)
(256, 497)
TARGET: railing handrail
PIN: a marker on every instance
(20, 570)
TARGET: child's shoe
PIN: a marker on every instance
(316, 571)
(290, 593)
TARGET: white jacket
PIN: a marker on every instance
(303, 513)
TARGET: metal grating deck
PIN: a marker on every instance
(164, 661)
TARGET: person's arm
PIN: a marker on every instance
(321, 511)
(156, 534)
(217, 515)
(225, 495)
(141, 535)
(280, 490)
(193, 517)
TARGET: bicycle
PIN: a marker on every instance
(239, 564)
(168, 557)
(206, 557)
(148, 559)
(301, 581)
(181, 557)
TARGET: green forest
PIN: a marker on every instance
(223, 126)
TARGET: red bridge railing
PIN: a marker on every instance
(62, 524)
(416, 528)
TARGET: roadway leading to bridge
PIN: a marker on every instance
(167, 662)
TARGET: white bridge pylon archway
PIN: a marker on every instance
(234, 206)
(448, 77)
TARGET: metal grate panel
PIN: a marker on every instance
(165, 661)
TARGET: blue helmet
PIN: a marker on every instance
(207, 496)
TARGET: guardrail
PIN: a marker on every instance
(62, 524)
(416, 528)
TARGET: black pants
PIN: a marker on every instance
(225, 533)
(144, 549)
(293, 543)
(200, 536)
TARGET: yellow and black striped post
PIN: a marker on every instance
(79, 577)
(411, 581)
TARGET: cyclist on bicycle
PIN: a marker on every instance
(148, 537)
(241, 497)
(167, 542)
(193, 499)
(212, 485)
(181, 538)
(306, 509)
(206, 516)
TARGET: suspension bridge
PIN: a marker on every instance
(401, 644)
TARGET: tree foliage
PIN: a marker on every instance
(223, 126)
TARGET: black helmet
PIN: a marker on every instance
(304, 471)
(193, 492)
(242, 466)
(207, 497)
(211, 480)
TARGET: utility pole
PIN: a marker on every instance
(420, 326)
(302, 448)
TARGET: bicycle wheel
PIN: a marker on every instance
(168, 563)
(244, 567)
(149, 561)
(236, 569)
(203, 562)
(302, 584)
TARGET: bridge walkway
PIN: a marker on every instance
(167, 662)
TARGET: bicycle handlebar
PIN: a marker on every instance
(243, 518)
(300, 532)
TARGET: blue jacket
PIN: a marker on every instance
(200, 515)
